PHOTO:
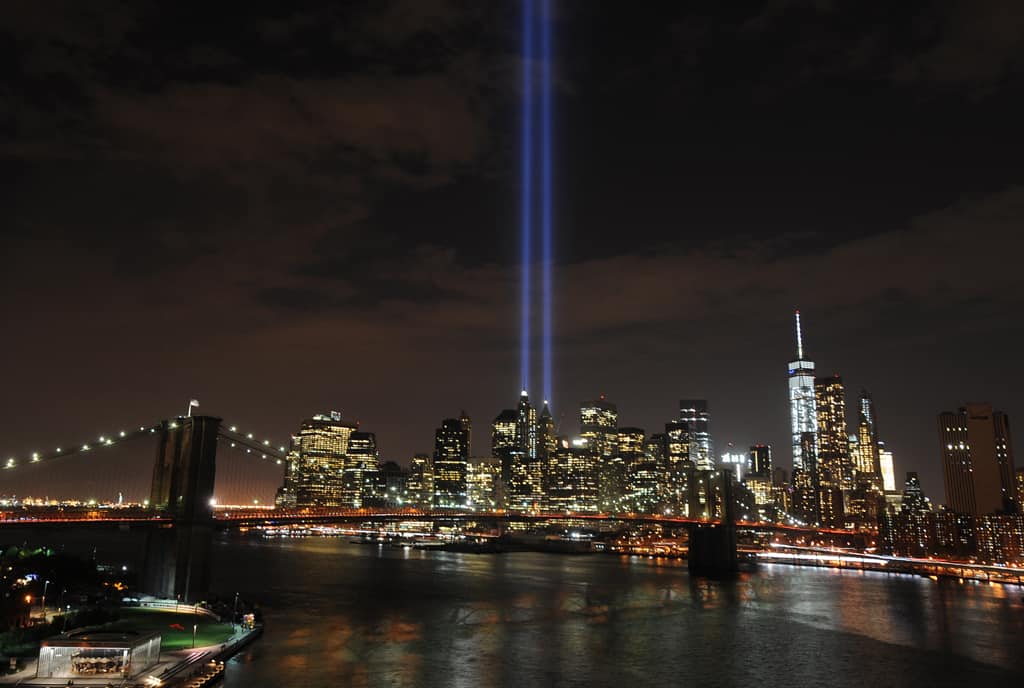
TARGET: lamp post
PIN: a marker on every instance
(42, 603)
(67, 611)
(195, 627)
(234, 613)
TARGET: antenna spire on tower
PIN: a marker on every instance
(799, 339)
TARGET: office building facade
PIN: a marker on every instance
(694, 413)
(314, 475)
(977, 460)
(451, 454)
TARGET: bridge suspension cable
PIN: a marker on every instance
(247, 441)
(236, 439)
(104, 442)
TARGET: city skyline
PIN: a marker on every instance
(568, 425)
(266, 478)
(375, 270)
(526, 342)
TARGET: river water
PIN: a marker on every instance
(341, 614)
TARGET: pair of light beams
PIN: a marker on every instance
(531, 207)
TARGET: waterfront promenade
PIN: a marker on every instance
(176, 667)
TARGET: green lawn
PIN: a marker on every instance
(209, 631)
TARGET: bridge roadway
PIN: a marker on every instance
(229, 517)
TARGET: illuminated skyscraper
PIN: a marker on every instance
(503, 441)
(316, 467)
(977, 460)
(630, 443)
(546, 440)
(451, 452)
(572, 478)
(655, 449)
(805, 500)
(677, 445)
(619, 471)
(868, 463)
(760, 481)
(642, 474)
(420, 486)
(803, 411)
(694, 412)
(656, 489)
(361, 464)
(679, 470)
(737, 462)
(865, 502)
(599, 420)
(483, 484)
(913, 497)
(526, 478)
(286, 497)
(834, 464)
(526, 428)
(835, 473)
(392, 487)
(888, 467)
(467, 425)
(761, 460)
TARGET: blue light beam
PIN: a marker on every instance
(526, 201)
(546, 228)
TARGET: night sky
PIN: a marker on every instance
(285, 208)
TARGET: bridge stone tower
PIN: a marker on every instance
(177, 561)
(713, 546)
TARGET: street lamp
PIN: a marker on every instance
(234, 612)
(195, 627)
(42, 603)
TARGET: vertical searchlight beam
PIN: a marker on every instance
(546, 201)
(526, 201)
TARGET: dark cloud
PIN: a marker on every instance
(967, 44)
(296, 300)
(398, 22)
(274, 120)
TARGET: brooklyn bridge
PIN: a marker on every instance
(180, 518)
